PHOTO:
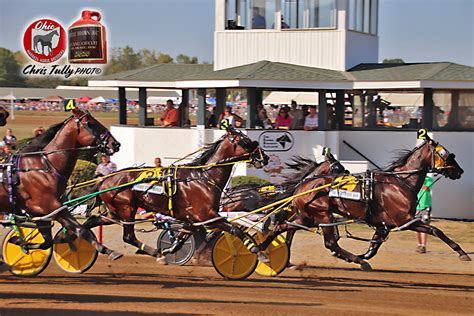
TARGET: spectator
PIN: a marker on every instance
(157, 162)
(7, 150)
(105, 167)
(311, 120)
(423, 210)
(263, 121)
(38, 131)
(170, 116)
(298, 119)
(10, 139)
(283, 120)
(231, 118)
(212, 119)
(258, 21)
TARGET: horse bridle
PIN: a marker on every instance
(102, 140)
(439, 158)
(256, 154)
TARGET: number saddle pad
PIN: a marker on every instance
(159, 186)
(346, 189)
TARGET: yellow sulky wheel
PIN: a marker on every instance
(278, 253)
(25, 263)
(77, 258)
(231, 258)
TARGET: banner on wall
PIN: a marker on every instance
(280, 146)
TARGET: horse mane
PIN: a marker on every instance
(38, 143)
(303, 167)
(209, 150)
(401, 157)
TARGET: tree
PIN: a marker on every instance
(185, 59)
(393, 61)
(10, 70)
(164, 59)
(123, 59)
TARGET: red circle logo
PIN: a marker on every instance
(45, 41)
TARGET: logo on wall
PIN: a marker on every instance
(44, 41)
(276, 141)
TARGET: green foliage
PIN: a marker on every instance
(83, 171)
(393, 61)
(10, 70)
(185, 59)
(240, 180)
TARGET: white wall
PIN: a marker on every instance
(321, 48)
(451, 199)
(361, 48)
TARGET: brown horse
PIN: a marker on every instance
(35, 178)
(248, 197)
(197, 195)
(390, 199)
(4, 114)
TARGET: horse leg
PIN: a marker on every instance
(428, 229)
(377, 240)
(45, 230)
(67, 220)
(330, 242)
(130, 238)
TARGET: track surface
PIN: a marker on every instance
(403, 282)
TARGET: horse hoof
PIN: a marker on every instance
(161, 261)
(263, 257)
(115, 255)
(365, 266)
(464, 257)
(4, 267)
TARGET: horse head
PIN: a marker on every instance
(244, 147)
(92, 132)
(442, 161)
(4, 114)
(335, 165)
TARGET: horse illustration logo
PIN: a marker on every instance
(44, 44)
(44, 41)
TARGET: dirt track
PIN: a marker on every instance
(403, 283)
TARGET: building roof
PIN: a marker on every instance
(161, 72)
(443, 71)
(278, 75)
(265, 70)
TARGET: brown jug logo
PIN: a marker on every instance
(87, 40)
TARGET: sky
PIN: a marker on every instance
(414, 30)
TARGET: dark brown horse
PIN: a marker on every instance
(390, 200)
(35, 178)
(4, 114)
(249, 197)
(197, 194)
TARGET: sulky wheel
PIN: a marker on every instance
(25, 263)
(75, 255)
(182, 255)
(231, 258)
(278, 253)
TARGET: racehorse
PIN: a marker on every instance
(4, 114)
(197, 195)
(249, 197)
(391, 199)
(35, 178)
